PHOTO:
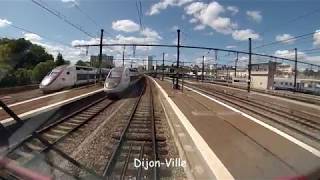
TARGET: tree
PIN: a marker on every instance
(20, 53)
(18, 57)
(59, 60)
(23, 76)
(83, 63)
(41, 70)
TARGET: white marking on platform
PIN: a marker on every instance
(47, 108)
(277, 131)
(214, 163)
(37, 98)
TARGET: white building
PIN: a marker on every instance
(285, 70)
(149, 63)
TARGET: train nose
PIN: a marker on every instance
(46, 80)
(110, 84)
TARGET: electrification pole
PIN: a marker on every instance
(295, 68)
(124, 47)
(178, 59)
(235, 65)
(162, 66)
(249, 66)
(100, 54)
(156, 68)
(202, 76)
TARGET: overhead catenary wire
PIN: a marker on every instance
(41, 35)
(203, 48)
(61, 17)
(85, 14)
(286, 40)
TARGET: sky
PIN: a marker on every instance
(218, 24)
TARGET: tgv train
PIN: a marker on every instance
(66, 76)
(119, 79)
(303, 85)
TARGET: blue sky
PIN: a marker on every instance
(221, 24)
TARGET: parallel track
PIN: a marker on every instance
(298, 96)
(40, 142)
(300, 124)
(138, 138)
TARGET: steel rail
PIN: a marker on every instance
(257, 112)
(279, 111)
(50, 146)
(107, 170)
(153, 133)
(14, 147)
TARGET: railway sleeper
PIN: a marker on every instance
(146, 150)
(63, 127)
(146, 143)
(139, 136)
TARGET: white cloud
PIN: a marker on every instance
(69, 53)
(32, 37)
(83, 42)
(231, 47)
(174, 28)
(243, 35)
(151, 34)
(316, 38)
(67, 1)
(290, 54)
(233, 9)
(147, 36)
(193, 20)
(199, 27)
(164, 4)
(125, 25)
(285, 38)
(210, 15)
(4, 23)
(255, 15)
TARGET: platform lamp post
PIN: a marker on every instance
(249, 66)
(295, 68)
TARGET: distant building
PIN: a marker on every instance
(149, 63)
(262, 75)
(106, 62)
(284, 70)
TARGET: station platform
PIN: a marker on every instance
(233, 145)
(36, 103)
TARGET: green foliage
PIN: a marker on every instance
(20, 53)
(41, 70)
(83, 63)
(22, 62)
(59, 60)
(23, 76)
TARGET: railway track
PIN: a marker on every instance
(139, 137)
(308, 117)
(31, 148)
(298, 97)
(298, 123)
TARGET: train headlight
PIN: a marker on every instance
(45, 81)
